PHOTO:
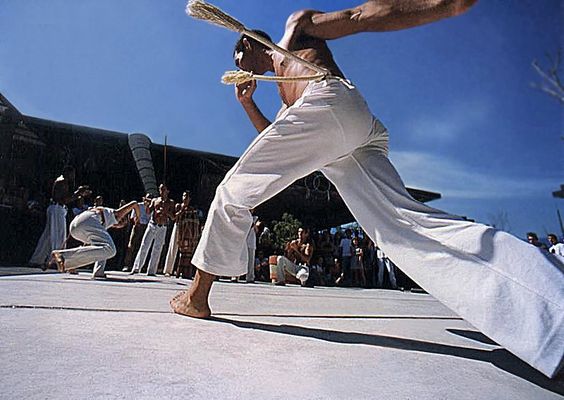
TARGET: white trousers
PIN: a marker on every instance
(172, 252)
(508, 289)
(283, 265)
(250, 265)
(53, 236)
(99, 246)
(154, 235)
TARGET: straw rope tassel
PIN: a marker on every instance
(208, 12)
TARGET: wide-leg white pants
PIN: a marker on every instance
(99, 246)
(503, 286)
(53, 236)
(155, 235)
(172, 251)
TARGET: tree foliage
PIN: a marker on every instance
(285, 230)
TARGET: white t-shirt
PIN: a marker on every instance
(558, 248)
(346, 245)
(109, 217)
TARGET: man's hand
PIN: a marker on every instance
(244, 91)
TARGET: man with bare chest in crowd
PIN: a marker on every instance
(296, 261)
(161, 209)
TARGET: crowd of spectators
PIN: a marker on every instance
(329, 257)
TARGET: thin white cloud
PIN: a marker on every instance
(448, 123)
(455, 180)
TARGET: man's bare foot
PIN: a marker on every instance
(194, 303)
(60, 260)
(183, 305)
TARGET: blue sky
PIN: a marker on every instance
(455, 95)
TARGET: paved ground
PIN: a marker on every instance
(69, 337)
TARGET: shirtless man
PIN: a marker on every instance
(161, 209)
(55, 233)
(296, 261)
(480, 273)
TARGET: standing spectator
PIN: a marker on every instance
(79, 206)
(98, 201)
(264, 238)
(187, 235)
(556, 247)
(161, 209)
(385, 265)
(370, 266)
(172, 251)
(345, 252)
(357, 264)
(326, 247)
(55, 232)
(120, 238)
(533, 239)
(137, 231)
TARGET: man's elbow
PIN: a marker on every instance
(300, 19)
(461, 6)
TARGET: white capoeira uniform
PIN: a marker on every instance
(54, 235)
(91, 228)
(508, 289)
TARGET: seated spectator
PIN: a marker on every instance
(316, 273)
(295, 262)
(262, 272)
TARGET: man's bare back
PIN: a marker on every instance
(310, 49)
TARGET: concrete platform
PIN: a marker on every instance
(70, 337)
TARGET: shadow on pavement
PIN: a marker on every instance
(500, 358)
(472, 335)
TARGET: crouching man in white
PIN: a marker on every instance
(298, 255)
(91, 228)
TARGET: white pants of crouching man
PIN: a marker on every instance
(53, 236)
(508, 289)
(87, 227)
(155, 235)
(283, 264)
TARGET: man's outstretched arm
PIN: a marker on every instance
(376, 16)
